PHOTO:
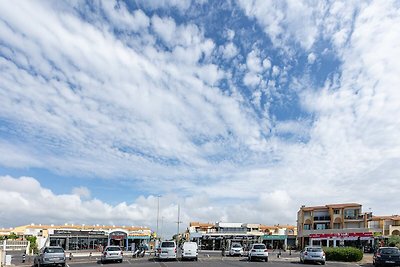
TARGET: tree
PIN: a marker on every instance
(13, 235)
(32, 243)
(394, 241)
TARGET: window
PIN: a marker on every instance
(336, 211)
(350, 214)
(320, 226)
(307, 227)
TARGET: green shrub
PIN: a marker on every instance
(343, 254)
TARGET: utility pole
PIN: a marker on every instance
(178, 223)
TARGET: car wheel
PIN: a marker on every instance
(250, 259)
(323, 263)
(196, 259)
(266, 259)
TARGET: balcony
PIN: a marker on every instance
(355, 217)
(322, 218)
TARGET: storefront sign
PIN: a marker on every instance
(341, 235)
(77, 233)
(117, 235)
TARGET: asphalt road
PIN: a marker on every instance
(205, 259)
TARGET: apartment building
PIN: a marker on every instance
(385, 226)
(334, 225)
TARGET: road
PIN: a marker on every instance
(205, 259)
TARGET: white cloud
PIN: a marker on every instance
(81, 191)
(133, 109)
(266, 64)
(311, 58)
(76, 96)
(229, 50)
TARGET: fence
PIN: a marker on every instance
(12, 245)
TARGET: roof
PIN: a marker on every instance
(79, 227)
(194, 224)
(386, 217)
(334, 206)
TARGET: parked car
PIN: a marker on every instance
(111, 253)
(386, 256)
(167, 250)
(312, 254)
(258, 251)
(52, 255)
(236, 249)
(189, 251)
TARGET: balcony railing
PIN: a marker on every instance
(322, 218)
(355, 217)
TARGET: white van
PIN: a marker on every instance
(167, 250)
(190, 251)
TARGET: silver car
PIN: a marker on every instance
(50, 256)
(112, 253)
(312, 254)
(258, 251)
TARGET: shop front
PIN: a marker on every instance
(218, 241)
(118, 238)
(78, 239)
(275, 241)
(361, 239)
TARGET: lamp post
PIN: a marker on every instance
(158, 210)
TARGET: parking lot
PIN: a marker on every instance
(208, 258)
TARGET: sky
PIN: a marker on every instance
(237, 111)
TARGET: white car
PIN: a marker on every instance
(111, 253)
(236, 250)
(312, 254)
(258, 251)
(189, 251)
(167, 250)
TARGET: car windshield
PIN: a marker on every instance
(54, 250)
(314, 249)
(167, 244)
(390, 251)
(236, 246)
(259, 247)
(113, 249)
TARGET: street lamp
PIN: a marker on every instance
(158, 210)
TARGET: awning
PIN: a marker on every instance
(139, 237)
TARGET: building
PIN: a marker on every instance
(334, 225)
(385, 226)
(85, 237)
(279, 236)
(219, 235)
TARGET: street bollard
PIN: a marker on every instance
(70, 256)
(23, 258)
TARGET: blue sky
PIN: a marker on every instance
(215, 106)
